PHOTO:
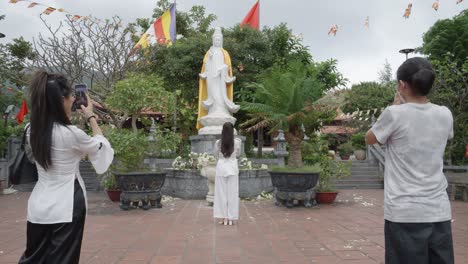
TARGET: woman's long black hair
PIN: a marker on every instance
(47, 91)
(227, 140)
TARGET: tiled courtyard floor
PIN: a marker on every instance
(183, 231)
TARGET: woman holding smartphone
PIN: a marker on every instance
(57, 205)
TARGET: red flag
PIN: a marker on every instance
(22, 112)
(253, 17)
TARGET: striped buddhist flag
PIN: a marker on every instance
(164, 26)
(33, 4)
(162, 30)
(48, 10)
(75, 18)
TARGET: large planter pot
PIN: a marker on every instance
(360, 154)
(291, 186)
(345, 156)
(144, 187)
(326, 197)
(114, 195)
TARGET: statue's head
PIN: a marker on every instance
(218, 38)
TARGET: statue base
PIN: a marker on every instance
(205, 143)
(213, 124)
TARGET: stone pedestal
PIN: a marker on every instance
(205, 143)
(213, 123)
(209, 172)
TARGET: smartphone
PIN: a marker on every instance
(80, 96)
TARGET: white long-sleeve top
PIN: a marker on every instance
(227, 166)
(51, 200)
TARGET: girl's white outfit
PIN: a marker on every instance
(226, 197)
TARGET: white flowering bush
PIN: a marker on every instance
(246, 164)
(194, 161)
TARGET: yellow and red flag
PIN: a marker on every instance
(48, 11)
(162, 30)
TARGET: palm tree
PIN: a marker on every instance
(285, 99)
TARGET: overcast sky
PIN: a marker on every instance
(360, 52)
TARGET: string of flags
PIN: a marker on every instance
(364, 115)
(252, 19)
(49, 10)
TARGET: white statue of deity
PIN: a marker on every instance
(216, 89)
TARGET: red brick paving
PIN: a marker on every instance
(183, 231)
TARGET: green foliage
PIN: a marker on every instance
(332, 170)
(109, 182)
(13, 58)
(366, 96)
(358, 141)
(12, 130)
(129, 149)
(165, 144)
(314, 149)
(140, 91)
(448, 37)
(446, 44)
(346, 148)
(285, 98)
(451, 90)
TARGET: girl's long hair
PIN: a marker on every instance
(227, 140)
(47, 91)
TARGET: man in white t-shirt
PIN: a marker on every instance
(417, 209)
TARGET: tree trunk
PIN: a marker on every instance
(294, 137)
(260, 142)
(134, 119)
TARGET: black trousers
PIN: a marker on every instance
(57, 243)
(414, 243)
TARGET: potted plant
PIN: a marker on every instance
(359, 145)
(138, 182)
(286, 100)
(332, 170)
(112, 189)
(345, 150)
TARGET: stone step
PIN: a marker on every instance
(365, 169)
(367, 174)
(359, 182)
(361, 178)
(362, 186)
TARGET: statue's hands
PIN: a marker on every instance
(202, 75)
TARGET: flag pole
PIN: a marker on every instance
(259, 25)
(175, 89)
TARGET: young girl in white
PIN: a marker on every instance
(226, 198)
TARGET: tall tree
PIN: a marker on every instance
(367, 96)
(446, 44)
(90, 51)
(386, 74)
(448, 37)
(14, 58)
